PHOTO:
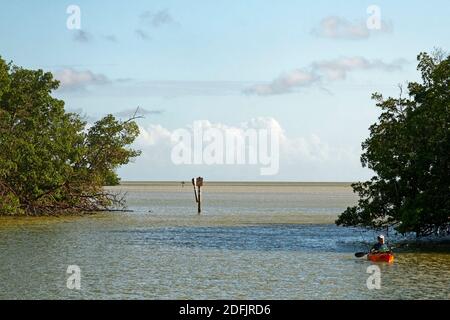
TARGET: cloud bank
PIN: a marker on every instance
(320, 72)
(305, 158)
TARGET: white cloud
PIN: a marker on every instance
(340, 28)
(318, 71)
(310, 148)
(284, 83)
(154, 135)
(337, 69)
(73, 79)
(301, 158)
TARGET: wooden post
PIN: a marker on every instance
(198, 183)
(195, 190)
(199, 201)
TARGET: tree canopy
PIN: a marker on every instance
(51, 161)
(409, 151)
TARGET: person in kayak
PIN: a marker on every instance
(380, 246)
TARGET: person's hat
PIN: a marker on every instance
(381, 237)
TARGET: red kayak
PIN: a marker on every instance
(381, 257)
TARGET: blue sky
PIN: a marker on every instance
(228, 62)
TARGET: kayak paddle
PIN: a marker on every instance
(360, 254)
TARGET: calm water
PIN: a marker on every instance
(253, 242)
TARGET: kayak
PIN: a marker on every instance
(381, 257)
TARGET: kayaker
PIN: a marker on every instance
(380, 246)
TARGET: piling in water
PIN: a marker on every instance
(198, 183)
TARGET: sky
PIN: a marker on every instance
(301, 69)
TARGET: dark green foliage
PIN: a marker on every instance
(50, 163)
(409, 150)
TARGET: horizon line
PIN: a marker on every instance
(235, 181)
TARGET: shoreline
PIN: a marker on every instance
(237, 183)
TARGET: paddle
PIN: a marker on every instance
(360, 254)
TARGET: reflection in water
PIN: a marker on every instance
(254, 242)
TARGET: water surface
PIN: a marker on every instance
(253, 241)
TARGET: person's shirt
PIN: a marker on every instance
(380, 247)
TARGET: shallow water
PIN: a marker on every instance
(252, 242)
